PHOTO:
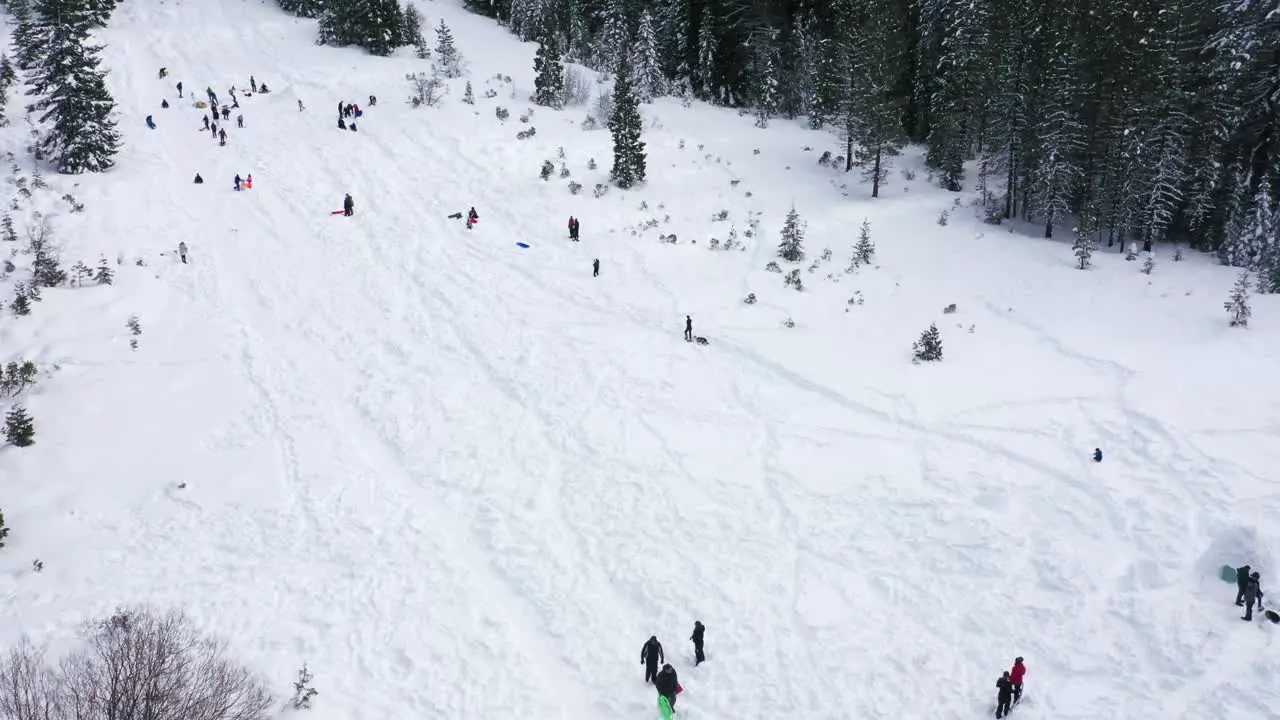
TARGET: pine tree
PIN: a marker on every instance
(649, 80)
(448, 59)
(766, 79)
(864, 251)
(83, 136)
(614, 39)
(4, 529)
(929, 347)
(100, 10)
(1237, 305)
(791, 248)
(579, 48)
(704, 68)
(28, 35)
(8, 75)
(874, 125)
(375, 25)
(103, 275)
(626, 126)
(19, 430)
(21, 304)
(468, 96)
(411, 29)
(1083, 248)
(303, 8)
(548, 84)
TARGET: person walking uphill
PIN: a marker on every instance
(595, 268)
(650, 656)
(668, 684)
(1242, 581)
(696, 637)
(1015, 677)
(1252, 595)
(688, 328)
(1004, 694)
(348, 206)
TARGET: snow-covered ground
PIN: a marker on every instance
(462, 479)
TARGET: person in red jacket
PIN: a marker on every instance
(1015, 677)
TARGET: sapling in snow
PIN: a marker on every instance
(303, 692)
(791, 248)
(19, 430)
(1237, 305)
(929, 347)
(1149, 264)
(1083, 249)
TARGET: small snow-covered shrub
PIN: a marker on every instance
(773, 267)
(79, 272)
(303, 691)
(942, 218)
(575, 187)
(714, 244)
(590, 123)
(104, 274)
(547, 169)
(564, 171)
(525, 117)
(526, 134)
(427, 89)
(1149, 264)
(789, 323)
(720, 216)
(21, 304)
(600, 190)
(1177, 254)
(750, 299)
(793, 279)
(591, 164)
(755, 151)
(4, 529)
(135, 329)
(908, 174)
(929, 347)
(856, 299)
(502, 113)
(948, 310)
(491, 93)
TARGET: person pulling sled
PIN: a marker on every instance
(348, 206)
(668, 685)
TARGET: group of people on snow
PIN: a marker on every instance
(1009, 688)
(1248, 590)
(666, 681)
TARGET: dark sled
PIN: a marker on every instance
(701, 341)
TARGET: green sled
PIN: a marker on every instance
(664, 707)
(1228, 574)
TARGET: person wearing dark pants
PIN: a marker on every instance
(1242, 581)
(1004, 695)
(696, 637)
(688, 328)
(668, 684)
(651, 655)
(182, 251)
(1015, 676)
(348, 206)
(1252, 595)
(595, 268)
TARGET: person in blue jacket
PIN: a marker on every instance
(151, 123)
(1097, 454)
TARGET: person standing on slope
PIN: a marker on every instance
(253, 85)
(222, 137)
(182, 251)
(1252, 594)
(238, 181)
(696, 637)
(688, 328)
(668, 684)
(650, 656)
(1242, 581)
(179, 88)
(595, 268)
(348, 206)
(1004, 694)
(1015, 677)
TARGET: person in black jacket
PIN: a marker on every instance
(595, 268)
(650, 656)
(1252, 595)
(696, 637)
(1004, 695)
(348, 206)
(668, 684)
(688, 328)
(1242, 579)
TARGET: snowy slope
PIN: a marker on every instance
(462, 479)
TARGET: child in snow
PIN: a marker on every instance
(1015, 677)
(151, 123)
(248, 182)
(182, 252)
(372, 101)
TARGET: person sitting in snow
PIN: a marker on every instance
(373, 101)
(163, 72)
(1097, 454)
(199, 180)
(353, 126)
(263, 89)
(151, 123)
(472, 218)
(164, 104)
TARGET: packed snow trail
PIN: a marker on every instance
(462, 479)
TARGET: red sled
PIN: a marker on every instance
(338, 212)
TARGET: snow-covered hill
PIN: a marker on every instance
(463, 479)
